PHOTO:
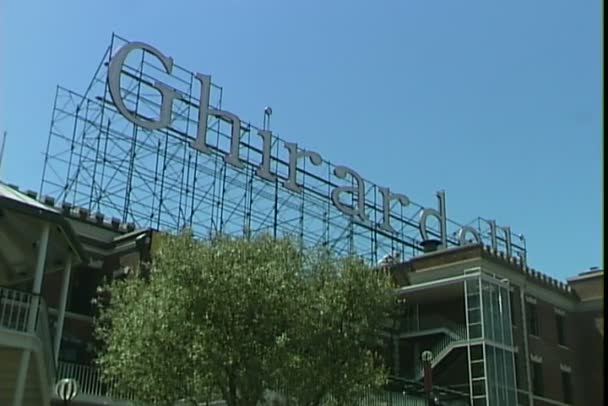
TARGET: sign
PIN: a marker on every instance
(348, 198)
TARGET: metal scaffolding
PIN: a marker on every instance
(97, 159)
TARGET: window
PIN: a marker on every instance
(83, 288)
(560, 322)
(567, 387)
(537, 378)
(532, 317)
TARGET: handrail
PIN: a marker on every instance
(428, 322)
(90, 381)
(43, 331)
(440, 347)
(15, 308)
(27, 313)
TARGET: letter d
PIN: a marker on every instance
(440, 216)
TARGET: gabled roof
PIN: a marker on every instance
(19, 204)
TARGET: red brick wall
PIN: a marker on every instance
(583, 353)
(589, 367)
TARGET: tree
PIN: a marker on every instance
(337, 351)
(233, 318)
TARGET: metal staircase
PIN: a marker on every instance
(455, 337)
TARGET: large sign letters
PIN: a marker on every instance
(349, 198)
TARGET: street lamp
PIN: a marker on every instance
(427, 358)
(66, 390)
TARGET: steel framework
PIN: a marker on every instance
(95, 158)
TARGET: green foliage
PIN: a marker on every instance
(335, 361)
(233, 318)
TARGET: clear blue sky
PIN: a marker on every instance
(498, 103)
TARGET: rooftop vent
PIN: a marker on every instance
(84, 213)
(67, 207)
(115, 223)
(430, 245)
(49, 200)
(592, 270)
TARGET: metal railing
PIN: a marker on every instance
(441, 348)
(427, 322)
(376, 398)
(15, 307)
(27, 313)
(90, 382)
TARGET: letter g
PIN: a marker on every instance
(168, 94)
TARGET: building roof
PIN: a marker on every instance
(12, 195)
(590, 274)
(456, 254)
(95, 233)
(22, 218)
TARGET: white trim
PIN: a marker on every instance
(591, 304)
(536, 358)
(560, 312)
(565, 368)
(598, 273)
(499, 345)
(435, 283)
(19, 340)
(70, 315)
(550, 401)
(63, 297)
(531, 299)
(524, 324)
(95, 264)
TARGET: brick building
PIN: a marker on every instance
(500, 331)
(52, 260)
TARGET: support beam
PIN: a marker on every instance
(33, 313)
(41, 258)
(63, 299)
(396, 355)
(24, 363)
(38, 276)
(526, 357)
